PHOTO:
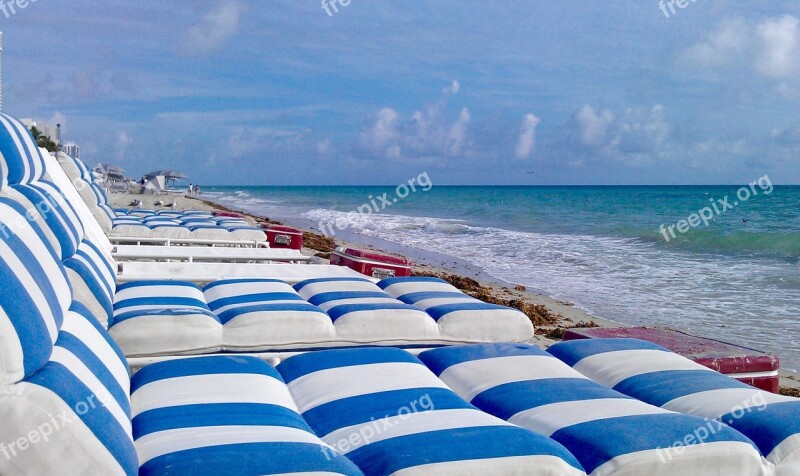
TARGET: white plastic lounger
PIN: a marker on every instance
(206, 254)
(208, 272)
(156, 241)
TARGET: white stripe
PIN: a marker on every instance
(403, 288)
(325, 386)
(715, 403)
(7, 124)
(548, 419)
(469, 379)
(11, 358)
(327, 306)
(611, 368)
(429, 303)
(215, 388)
(31, 286)
(787, 448)
(242, 289)
(408, 424)
(310, 290)
(78, 326)
(79, 370)
(160, 290)
(539, 465)
(257, 303)
(166, 442)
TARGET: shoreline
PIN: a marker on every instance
(551, 317)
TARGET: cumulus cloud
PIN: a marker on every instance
(769, 47)
(452, 89)
(214, 30)
(592, 127)
(427, 134)
(527, 137)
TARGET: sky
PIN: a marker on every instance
(283, 92)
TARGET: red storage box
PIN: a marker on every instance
(280, 236)
(222, 213)
(749, 366)
(370, 263)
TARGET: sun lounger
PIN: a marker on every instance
(390, 415)
(460, 317)
(660, 377)
(608, 432)
(206, 254)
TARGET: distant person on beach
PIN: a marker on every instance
(197, 190)
(191, 189)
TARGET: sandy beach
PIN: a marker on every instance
(551, 317)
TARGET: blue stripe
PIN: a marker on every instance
(97, 367)
(155, 283)
(119, 318)
(167, 301)
(92, 262)
(649, 387)
(339, 311)
(412, 298)
(594, 444)
(463, 444)
(351, 411)
(302, 284)
(202, 366)
(322, 298)
(99, 420)
(216, 414)
(574, 351)
(506, 400)
(226, 282)
(250, 459)
(383, 284)
(439, 360)
(438, 312)
(81, 310)
(767, 426)
(253, 298)
(231, 314)
(299, 365)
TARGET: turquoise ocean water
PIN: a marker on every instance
(602, 248)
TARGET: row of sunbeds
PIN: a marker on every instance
(379, 381)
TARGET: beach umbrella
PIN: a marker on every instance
(110, 170)
(169, 175)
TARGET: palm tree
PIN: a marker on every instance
(43, 140)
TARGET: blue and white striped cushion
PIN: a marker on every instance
(64, 208)
(261, 314)
(224, 415)
(35, 294)
(74, 412)
(362, 312)
(21, 161)
(460, 317)
(93, 281)
(390, 415)
(608, 432)
(660, 377)
(164, 317)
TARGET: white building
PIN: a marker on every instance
(72, 150)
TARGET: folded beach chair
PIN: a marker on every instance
(608, 432)
(388, 414)
(660, 377)
(460, 317)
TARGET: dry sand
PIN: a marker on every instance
(550, 317)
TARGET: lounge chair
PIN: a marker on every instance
(608, 432)
(390, 415)
(660, 377)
